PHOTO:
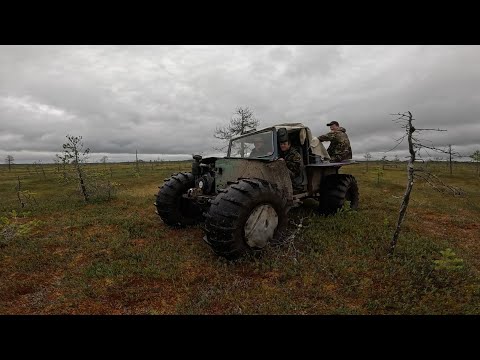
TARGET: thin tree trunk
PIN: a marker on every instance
(43, 171)
(406, 196)
(80, 177)
(450, 153)
(136, 160)
(82, 183)
(19, 189)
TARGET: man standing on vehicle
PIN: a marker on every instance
(339, 148)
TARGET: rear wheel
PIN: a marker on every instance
(245, 217)
(173, 208)
(336, 190)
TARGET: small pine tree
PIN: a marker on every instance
(367, 157)
(476, 158)
(9, 160)
(75, 155)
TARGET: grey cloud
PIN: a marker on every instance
(169, 99)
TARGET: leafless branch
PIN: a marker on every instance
(421, 146)
(408, 190)
(436, 183)
(432, 129)
(415, 146)
(242, 121)
(399, 141)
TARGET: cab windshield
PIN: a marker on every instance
(254, 146)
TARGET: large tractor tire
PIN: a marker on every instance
(175, 210)
(245, 217)
(335, 191)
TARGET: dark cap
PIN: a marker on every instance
(282, 135)
(333, 123)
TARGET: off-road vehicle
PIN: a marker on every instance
(243, 201)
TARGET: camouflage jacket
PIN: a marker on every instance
(293, 160)
(339, 148)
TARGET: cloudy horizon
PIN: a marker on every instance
(166, 101)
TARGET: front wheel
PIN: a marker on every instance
(173, 208)
(245, 217)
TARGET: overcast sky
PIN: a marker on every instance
(165, 101)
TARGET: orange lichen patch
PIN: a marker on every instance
(100, 230)
(60, 251)
(78, 261)
(27, 291)
(139, 296)
(194, 273)
(190, 233)
(461, 228)
(166, 304)
(272, 276)
(8, 260)
(469, 239)
(329, 288)
(454, 226)
(92, 307)
(140, 242)
(434, 224)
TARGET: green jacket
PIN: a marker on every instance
(339, 148)
(293, 160)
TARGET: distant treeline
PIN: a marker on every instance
(108, 162)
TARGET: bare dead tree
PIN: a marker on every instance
(450, 158)
(436, 183)
(136, 161)
(450, 155)
(476, 158)
(384, 161)
(39, 165)
(406, 197)
(367, 157)
(56, 161)
(9, 160)
(19, 189)
(63, 161)
(396, 160)
(242, 121)
(25, 197)
(414, 146)
(103, 160)
(74, 154)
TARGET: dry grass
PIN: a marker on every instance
(117, 257)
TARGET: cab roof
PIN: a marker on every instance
(304, 131)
